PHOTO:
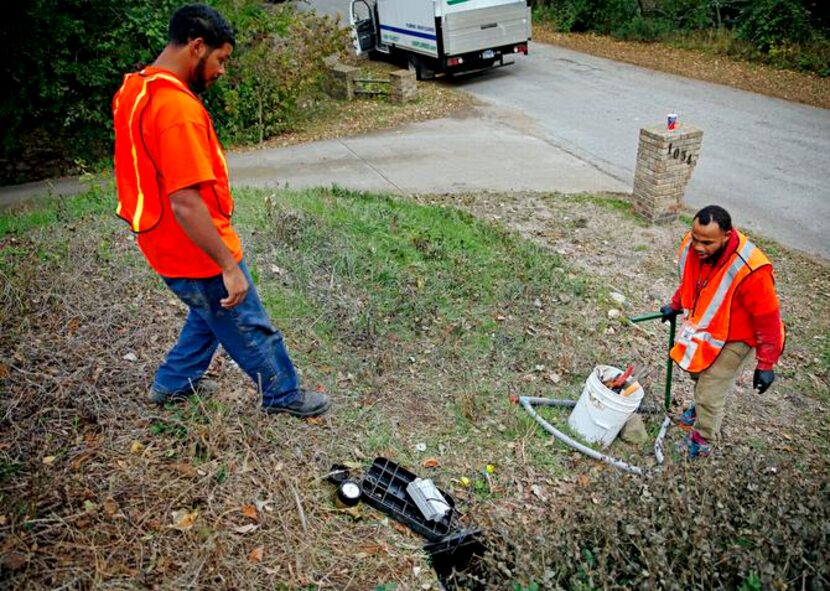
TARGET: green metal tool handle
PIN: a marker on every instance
(669, 362)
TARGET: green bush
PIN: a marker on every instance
(62, 68)
(643, 29)
(278, 61)
(600, 16)
(768, 23)
(789, 34)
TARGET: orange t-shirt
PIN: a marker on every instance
(179, 137)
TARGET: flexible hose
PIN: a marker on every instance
(526, 402)
(658, 443)
(529, 401)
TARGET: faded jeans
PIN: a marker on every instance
(244, 331)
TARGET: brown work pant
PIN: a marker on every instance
(713, 384)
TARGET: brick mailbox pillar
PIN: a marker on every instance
(341, 81)
(403, 87)
(665, 161)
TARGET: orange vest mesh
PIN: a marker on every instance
(707, 313)
(139, 198)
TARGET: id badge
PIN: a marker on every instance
(687, 331)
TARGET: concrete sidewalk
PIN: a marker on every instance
(441, 156)
(456, 155)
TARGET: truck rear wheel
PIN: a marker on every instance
(421, 68)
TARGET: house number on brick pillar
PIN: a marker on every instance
(665, 161)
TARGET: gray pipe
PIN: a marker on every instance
(528, 401)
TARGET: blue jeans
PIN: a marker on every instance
(243, 331)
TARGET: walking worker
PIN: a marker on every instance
(729, 305)
(174, 193)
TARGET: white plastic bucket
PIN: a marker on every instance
(600, 412)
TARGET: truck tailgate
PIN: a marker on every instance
(484, 28)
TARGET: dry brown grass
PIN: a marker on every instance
(100, 490)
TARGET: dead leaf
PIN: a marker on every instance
(78, 462)
(4, 371)
(256, 554)
(111, 507)
(400, 527)
(49, 460)
(583, 480)
(249, 511)
(185, 469)
(14, 561)
(314, 420)
(72, 326)
(246, 529)
(354, 512)
(370, 549)
(90, 507)
(431, 463)
(184, 519)
(263, 506)
(137, 447)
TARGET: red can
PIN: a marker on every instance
(671, 120)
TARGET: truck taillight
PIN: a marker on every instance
(455, 61)
(520, 49)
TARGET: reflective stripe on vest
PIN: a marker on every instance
(132, 171)
(706, 327)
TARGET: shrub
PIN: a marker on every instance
(768, 23)
(643, 29)
(280, 53)
(62, 68)
(737, 521)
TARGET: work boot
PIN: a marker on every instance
(203, 388)
(309, 404)
(695, 446)
(686, 420)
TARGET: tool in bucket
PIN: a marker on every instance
(528, 402)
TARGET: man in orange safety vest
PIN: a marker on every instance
(174, 193)
(730, 307)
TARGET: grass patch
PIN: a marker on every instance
(54, 210)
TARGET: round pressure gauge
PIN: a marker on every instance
(349, 493)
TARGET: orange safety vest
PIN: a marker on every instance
(139, 191)
(706, 325)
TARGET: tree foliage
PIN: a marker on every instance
(787, 33)
(65, 60)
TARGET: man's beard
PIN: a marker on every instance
(199, 84)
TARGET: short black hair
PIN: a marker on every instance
(717, 214)
(197, 20)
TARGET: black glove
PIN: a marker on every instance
(763, 379)
(668, 312)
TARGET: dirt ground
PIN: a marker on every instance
(101, 490)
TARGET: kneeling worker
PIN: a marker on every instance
(728, 300)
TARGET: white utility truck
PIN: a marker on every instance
(442, 36)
